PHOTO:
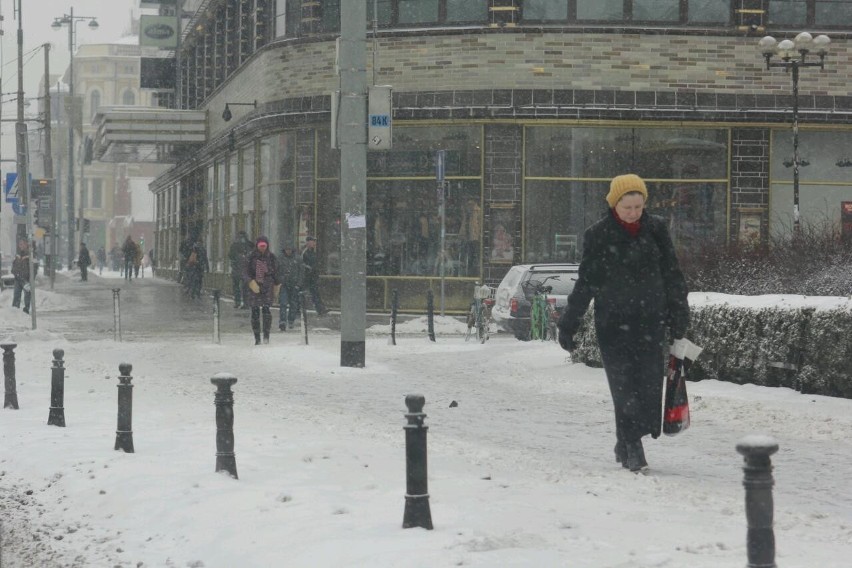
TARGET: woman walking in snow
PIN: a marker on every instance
(260, 274)
(630, 269)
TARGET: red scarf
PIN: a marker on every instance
(631, 228)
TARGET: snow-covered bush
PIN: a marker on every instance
(796, 342)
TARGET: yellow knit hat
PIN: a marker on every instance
(625, 184)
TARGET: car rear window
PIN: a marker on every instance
(512, 278)
(562, 282)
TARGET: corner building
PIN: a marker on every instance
(538, 103)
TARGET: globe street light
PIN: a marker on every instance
(71, 21)
(792, 55)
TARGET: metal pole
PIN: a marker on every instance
(50, 262)
(394, 310)
(352, 134)
(116, 314)
(216, 337)
(224, 400)
(430, 314)
(22, 163)
(795, 74)
(758, 482)
(56, 416)
(70, 113)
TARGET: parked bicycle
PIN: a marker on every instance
(479, 315)
(543, 314)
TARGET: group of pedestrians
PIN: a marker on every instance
(260, 279)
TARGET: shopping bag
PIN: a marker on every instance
(676, 409)
(676, 401)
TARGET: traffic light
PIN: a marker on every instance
(35, 212)
(85, 225)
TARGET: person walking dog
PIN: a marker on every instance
(630, 269)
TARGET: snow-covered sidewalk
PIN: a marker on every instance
(521, 471)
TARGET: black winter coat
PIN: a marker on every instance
(267, 283)
(639, 292)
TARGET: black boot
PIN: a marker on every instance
(267, 323)
(255, 324)
(635, 456)
(621, 453)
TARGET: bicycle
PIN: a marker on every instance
(543, 312)
(479, 315)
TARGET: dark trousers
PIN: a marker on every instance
(288, 305)
(16, 295)
(634, 370)
(238, 288)
(255, 320)
(128, 269)
(84, 272)
(313, 290)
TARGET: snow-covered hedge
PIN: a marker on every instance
(800, 342)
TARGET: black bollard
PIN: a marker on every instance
(417, 512)
(758, 482)
(430, 314)
(303, 305)
(124, 430)
(56, 417)
(224, 400)
(116, 314)
(11, 398)
(216, 336)
(394, 311)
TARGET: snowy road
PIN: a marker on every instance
(521, 471)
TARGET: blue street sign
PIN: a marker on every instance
(10, 183)
(380, 120)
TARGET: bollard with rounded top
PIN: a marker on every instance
(11, 398)
(224, 400)
(124, 431)
(417, 512)
(758, 482)
(56, 417)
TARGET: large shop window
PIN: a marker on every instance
(600, 9)
(656, 10)
(538, 10)
(788, 12)
(467, 11)
(709, 11)
(825, 180)
(414, 151)
(404, 228)
(418, 11)
(833, 12)
(568, 171)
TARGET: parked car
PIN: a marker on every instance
(513, 297)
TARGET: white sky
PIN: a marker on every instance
(521, 471)
(38, 15)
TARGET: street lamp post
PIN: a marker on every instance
(71, 20)
(793, 55)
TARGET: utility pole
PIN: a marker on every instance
(23, 165)
(352, 136)
(50, 258)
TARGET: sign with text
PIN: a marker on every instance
(379, 118)
(158, 31)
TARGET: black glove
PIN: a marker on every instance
(566, 341)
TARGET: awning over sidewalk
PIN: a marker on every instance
(152, 135)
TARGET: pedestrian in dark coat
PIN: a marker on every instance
(83, 261)
(630, 269)
(237, 255)
(310, 275)
(261, 277)
(290, 276)
(21, 272)
(129, 249)
(196, 265)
